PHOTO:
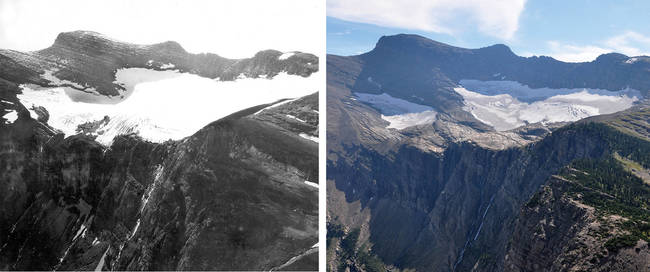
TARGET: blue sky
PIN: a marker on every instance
(576, 30)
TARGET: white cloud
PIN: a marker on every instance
(574, 53)
(628, 43)
(230, 28)
(498, 18)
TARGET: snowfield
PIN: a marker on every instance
(524, 93)
(10, 117)
(160, 105)
(309, 137)
(506, 105)
(401, 121)
(497, 104)
(286, 55)
(398, 112)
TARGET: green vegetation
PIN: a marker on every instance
(607, 183)
(633, 122)
(534, 201)
(333, 231)
(608, 187)
(369, 261)
(356, 259)
(349, 242)
(626, 145)
(620, 242)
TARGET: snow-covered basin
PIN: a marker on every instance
(500, 103)
(162, 105)
(398, 112)
(527, 94)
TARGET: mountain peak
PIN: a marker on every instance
(409, 41)
(82, 38)
(500, 50)
(611, 57)
(169, 46)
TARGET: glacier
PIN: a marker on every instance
(507, 105)
(399, 113)
(160, 105)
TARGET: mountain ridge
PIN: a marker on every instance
(66, 60)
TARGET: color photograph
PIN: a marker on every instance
(488, 135)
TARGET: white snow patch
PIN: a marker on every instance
(311, 184)
(505, 112)
(402, 121)
(631, 60)
(389, 105)
(275, 105)
(147, 196)
(527, 94)
(167, 66)
(309, 137)
(162, 105)
(10, 117)
(135, 229)
(399, 112)
(81, 231)
(100, 265)
(286, 55)
(296, 118)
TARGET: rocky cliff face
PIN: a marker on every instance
(241, 193)
(556, 231)
(231, 196)
(421, 195)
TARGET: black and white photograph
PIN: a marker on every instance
(160, 135)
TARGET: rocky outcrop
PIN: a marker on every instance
(557, 232)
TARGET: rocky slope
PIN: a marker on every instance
(241, 193)
(447, 195)
(557, 231)
(231, 196)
